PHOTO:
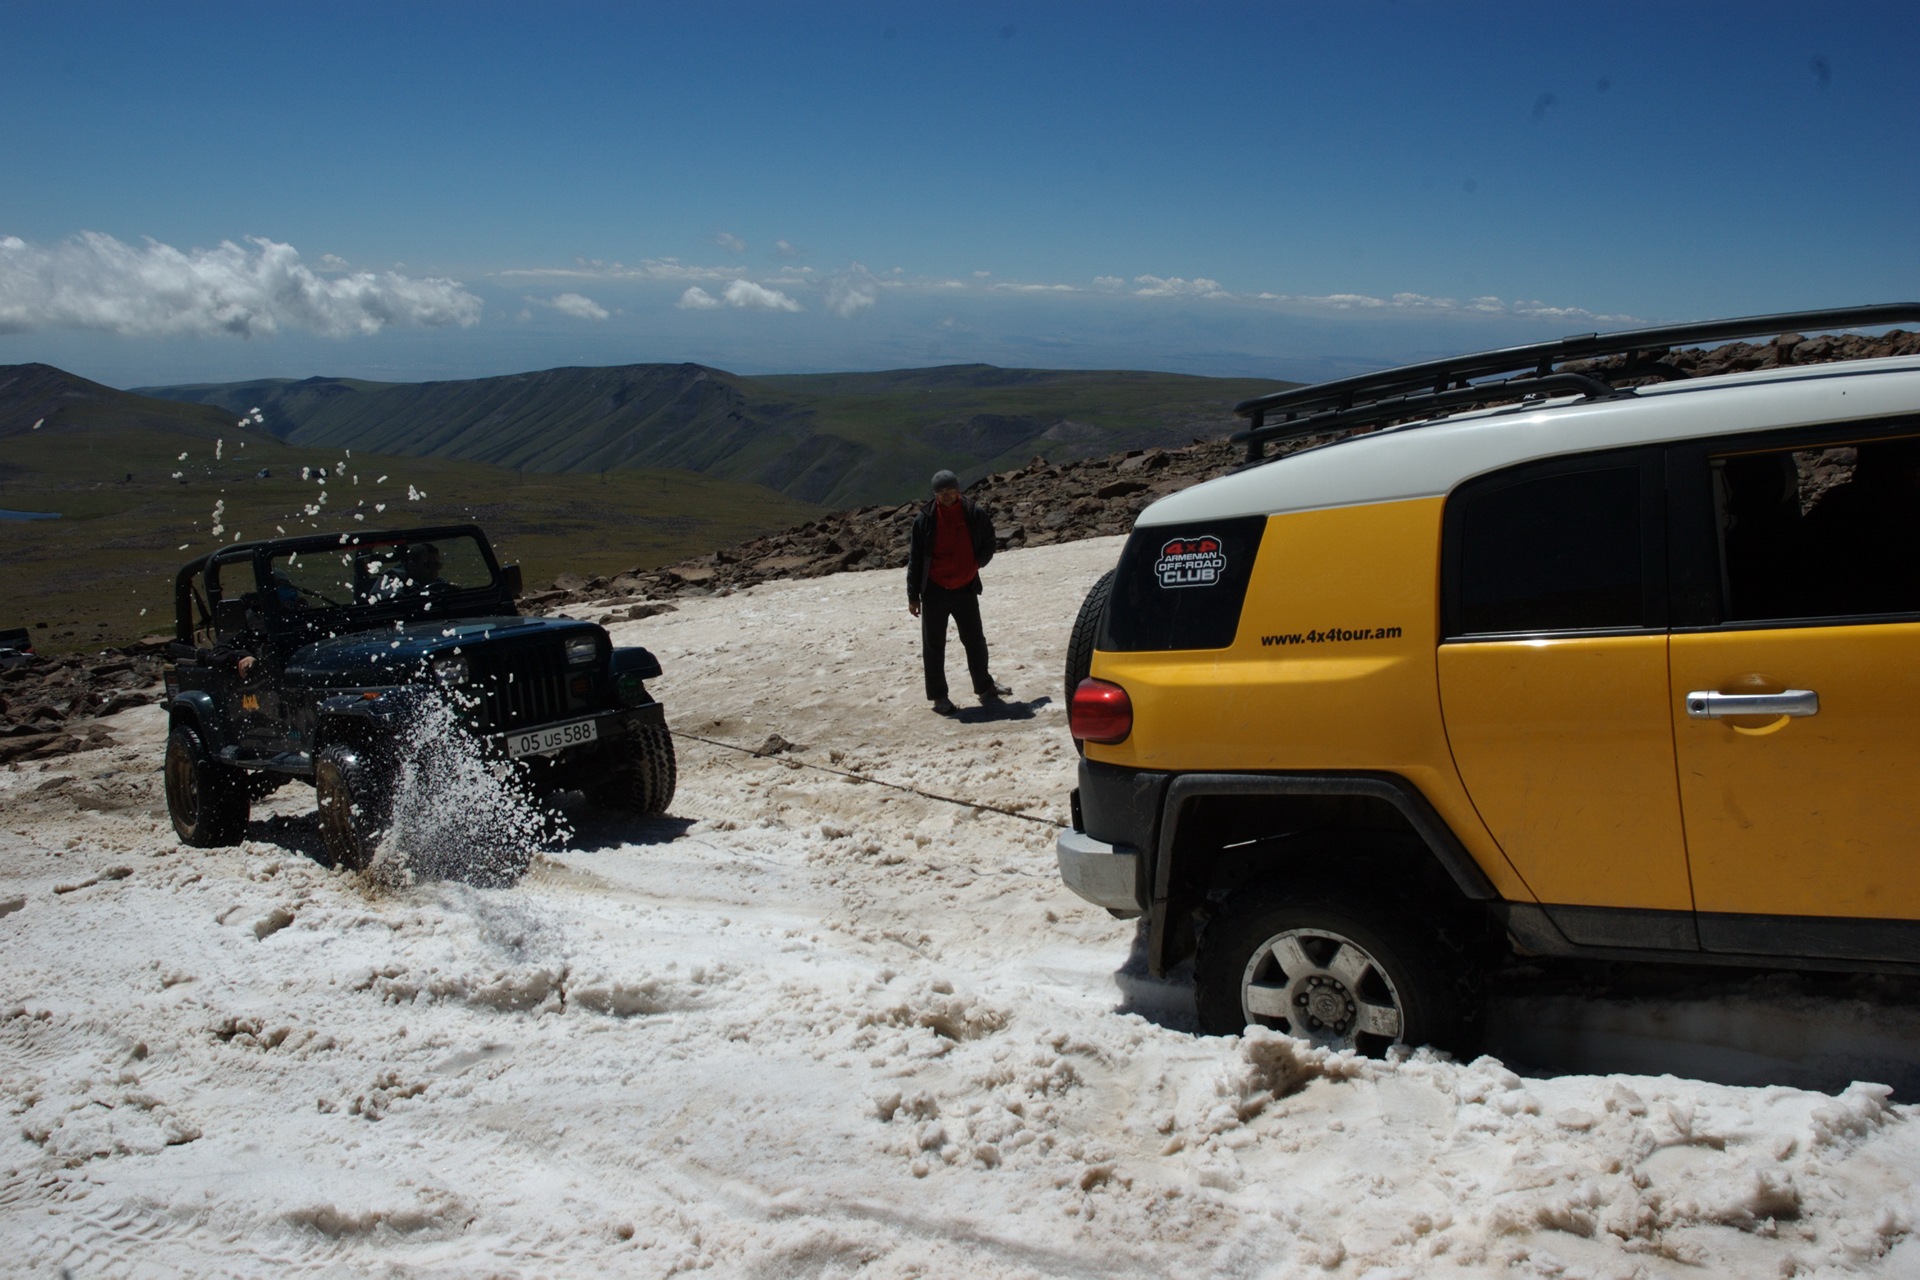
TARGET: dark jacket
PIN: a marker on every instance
(920, 545)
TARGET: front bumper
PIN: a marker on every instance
(1105, 875)
(611, 726)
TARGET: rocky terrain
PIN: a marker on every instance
(54, 706)
(1034, 506)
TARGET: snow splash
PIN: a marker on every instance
(458, 815)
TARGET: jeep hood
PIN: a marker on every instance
(392, 656)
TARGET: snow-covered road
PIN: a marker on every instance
(817, 1026)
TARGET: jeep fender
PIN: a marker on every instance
(354, 717)
(1426, 824)
(195, 708)
(632, 660)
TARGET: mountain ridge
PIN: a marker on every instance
(830, 439)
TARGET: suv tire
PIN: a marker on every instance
(643, 782)
(355, 805)
(1086, 629)
(1331, 971)
(206, 799)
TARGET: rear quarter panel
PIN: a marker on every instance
(1332, 668)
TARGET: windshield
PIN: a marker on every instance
(374, 573)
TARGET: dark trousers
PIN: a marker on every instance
(963, 606)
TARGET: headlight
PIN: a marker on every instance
(450, 670)
(582, 650)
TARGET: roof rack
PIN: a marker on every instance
(1415, 389)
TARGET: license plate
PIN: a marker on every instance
(538, 742)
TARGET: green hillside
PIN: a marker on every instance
(835, 439)
(133, 508)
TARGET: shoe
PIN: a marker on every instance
(943, 706)
(996, 691)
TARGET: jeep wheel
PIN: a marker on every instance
(355, 805)
(643, 782)
(1326, 971)
(207, 800)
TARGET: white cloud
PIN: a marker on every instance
(96, 282)
(852, 291)
(1176, 287)
(745, 293)
(787, 249)
(730, 242)
(579, 306)
(650, 269)
(1425, 304)
(332, 262)
(1109, 282)
(1007, 286)
(697, 299)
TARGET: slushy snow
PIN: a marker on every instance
(817, 1023)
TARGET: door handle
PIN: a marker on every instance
(1707, 704)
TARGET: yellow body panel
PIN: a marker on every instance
(1332, 668)
(1814, 815)
(1566, 746)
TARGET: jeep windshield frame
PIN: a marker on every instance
(379, 587)
(1434, 387)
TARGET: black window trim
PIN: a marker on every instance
(1698, 603)
(1651, 461)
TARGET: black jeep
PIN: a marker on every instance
(310, 657)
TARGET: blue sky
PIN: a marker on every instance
(405, 191)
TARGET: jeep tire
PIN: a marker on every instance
(1339, 970)
(356, 804)
(206, 799)
(643, 780)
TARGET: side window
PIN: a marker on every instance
(1566, 546)
(1181, 586)
(1821, 531)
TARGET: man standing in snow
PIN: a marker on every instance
(952, 541)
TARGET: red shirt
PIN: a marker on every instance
(953, 565)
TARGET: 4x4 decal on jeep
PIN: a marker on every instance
(1190, 562)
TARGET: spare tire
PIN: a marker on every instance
(1086, 629)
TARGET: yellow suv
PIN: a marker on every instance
(1554, 661)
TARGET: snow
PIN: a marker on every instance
(815, 1025)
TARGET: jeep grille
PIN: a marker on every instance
(523, 685)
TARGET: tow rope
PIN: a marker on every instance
(764, 754)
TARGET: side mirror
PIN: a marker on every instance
(510, 574)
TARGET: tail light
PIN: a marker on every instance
(1101, 712)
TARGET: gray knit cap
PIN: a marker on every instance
(945, 480)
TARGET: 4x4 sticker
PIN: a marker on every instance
(1333, 635)
(1190, 562)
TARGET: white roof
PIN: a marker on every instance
(1430, 461)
